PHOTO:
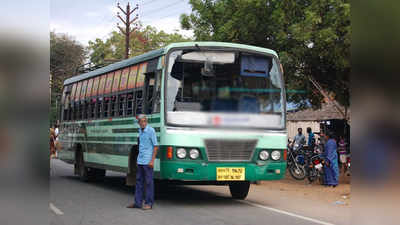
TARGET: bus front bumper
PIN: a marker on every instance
(207, 171)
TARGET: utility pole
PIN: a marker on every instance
(127, 32)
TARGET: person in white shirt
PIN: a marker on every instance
(56, 131)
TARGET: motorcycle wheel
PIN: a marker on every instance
(298, 173)
(312, 176)
(321, 178)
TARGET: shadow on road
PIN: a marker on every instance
(174, 194)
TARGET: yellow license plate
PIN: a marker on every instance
(230, 173)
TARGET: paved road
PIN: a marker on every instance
(74, 202)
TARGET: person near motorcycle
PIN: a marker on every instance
(342, 150)
(331, 167)
(311, 139)
(299, 139)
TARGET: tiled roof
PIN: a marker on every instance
(328, 111)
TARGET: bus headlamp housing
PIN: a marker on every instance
(263, 155)
(276, 155)
(194, 153)
(181, 153)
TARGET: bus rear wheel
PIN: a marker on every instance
(91, 174)
(239, 190)
(88, 173)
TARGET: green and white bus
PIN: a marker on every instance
(219, 111)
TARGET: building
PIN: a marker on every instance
(327, 116)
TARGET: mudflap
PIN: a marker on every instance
(131, 175)
(130, 179)
(76, 169)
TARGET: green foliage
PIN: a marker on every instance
(66, 54)
(141, 41)
(312, 38)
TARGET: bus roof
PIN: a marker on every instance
(157, 53)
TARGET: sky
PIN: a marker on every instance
(87, 20)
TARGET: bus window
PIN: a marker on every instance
(98, 107)
(139, 101)
(74, 110)
(86, 109)
(157, 93)
(121, 105)
(67, 112)
(80, 110)
(106, 102)
(129, 104)
(149, 84)
(113, 106)
(65, 102)
(92, 108)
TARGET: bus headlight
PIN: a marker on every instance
(276, 155)
(181, 153)
(263, 155)
(194, 153)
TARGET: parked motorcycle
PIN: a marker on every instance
(347, 166)
(315, 170)
(295, 161)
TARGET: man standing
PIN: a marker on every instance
(311, 139)
(300, 139)
(148, 147)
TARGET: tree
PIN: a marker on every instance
(141, 41)
(66, 54)
(312, 38)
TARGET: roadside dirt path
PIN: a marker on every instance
(328, 204)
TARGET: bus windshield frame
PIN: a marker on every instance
(194, 117)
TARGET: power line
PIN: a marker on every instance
(159, 18)
(149, 2)
(163, 7)
(163, 16)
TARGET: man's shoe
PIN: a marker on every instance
(133, 206)
(147, 207)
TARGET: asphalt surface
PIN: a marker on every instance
(73, 202)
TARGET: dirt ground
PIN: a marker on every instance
(339, 195)
(332, 205)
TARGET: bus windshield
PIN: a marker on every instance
(223, 88)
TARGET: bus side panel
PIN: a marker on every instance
(106, 143)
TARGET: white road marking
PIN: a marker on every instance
(55, 210)
(286, 213)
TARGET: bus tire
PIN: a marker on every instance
(239, 190)
(96, 174)
(99, 173)
(80, 168)
(86, 173)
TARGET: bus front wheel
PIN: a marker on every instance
(239, 190)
